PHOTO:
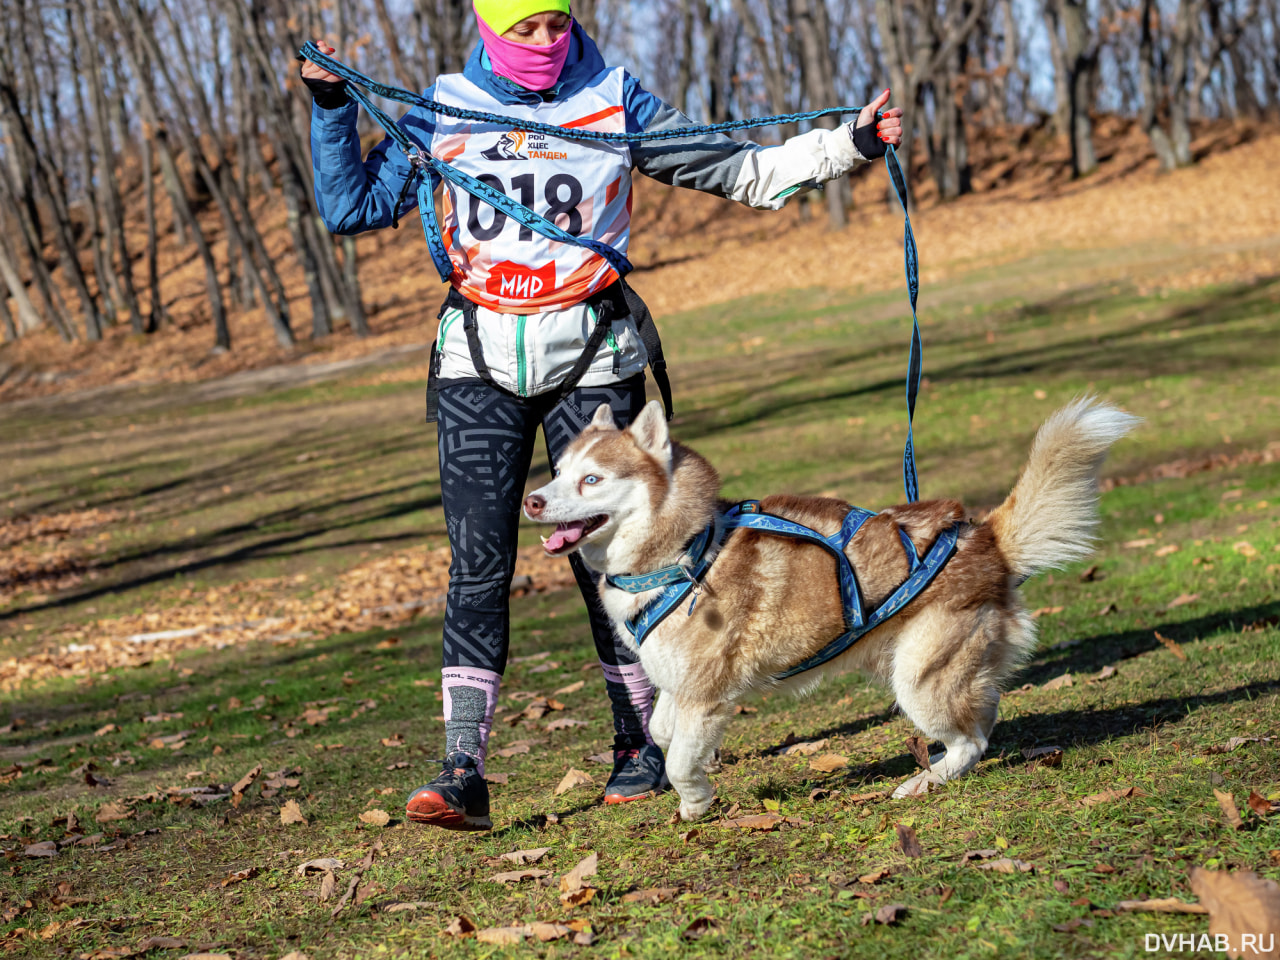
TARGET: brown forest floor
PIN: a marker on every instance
(1218, 221)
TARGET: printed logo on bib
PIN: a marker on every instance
(518, 145)
(516, 281)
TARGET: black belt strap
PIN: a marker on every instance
(648, 331)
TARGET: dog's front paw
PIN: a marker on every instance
(919, 785)
(692, 811)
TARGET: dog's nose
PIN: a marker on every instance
(534, 504)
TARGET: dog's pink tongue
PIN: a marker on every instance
(565, 534)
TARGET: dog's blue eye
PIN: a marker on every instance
(591, 478)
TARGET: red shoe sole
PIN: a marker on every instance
(431, 809)
(619, 798)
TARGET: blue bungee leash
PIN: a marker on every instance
(420, 161)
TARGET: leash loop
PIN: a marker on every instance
(424, 164)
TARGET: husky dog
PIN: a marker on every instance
(631, 501)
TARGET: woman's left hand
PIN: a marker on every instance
(889, 129)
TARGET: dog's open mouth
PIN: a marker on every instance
(568, 535)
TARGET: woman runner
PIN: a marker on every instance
(539, 332)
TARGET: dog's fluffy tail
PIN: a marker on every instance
(1050, 518)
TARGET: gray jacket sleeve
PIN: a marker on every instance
(741, 170)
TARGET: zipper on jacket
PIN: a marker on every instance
(522, 370)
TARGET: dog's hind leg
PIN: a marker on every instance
(698, 731)
(944, 677)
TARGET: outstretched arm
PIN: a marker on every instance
(756, 175)
(355, 195)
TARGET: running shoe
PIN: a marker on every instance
(637, 773)
(458, 799)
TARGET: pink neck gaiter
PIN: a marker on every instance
(533, 67)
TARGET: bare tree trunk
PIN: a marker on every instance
(28, 319)
(391, 38)
(6, 318)
(244, 236)
(1148, 49)
(155, 313)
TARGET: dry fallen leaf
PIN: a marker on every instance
(103, 731)
(515, 876)
(909, 841)
(1228, 804)
(1261, 805)
(565, 723)
(292, 813)
(239, 876)
(1167, 905)
(1057, 683)
(653, 895)
(574, 778)
(1044, 756)
(571, 688)
(112, 811)
(1106, 673)
(572, 881)
(1240, 903)
(1172, 645)
(984, 854)
(498, 778)
(328, 886)
(875, 877)
(526, 856)
(504, 936)
(376, 818)
(578, 897)
(460, 926)
(45, 848)
(891, 913)
(828, 763)
(322, 864)
(919, 749)
(1107, 795)
(764, 821)
(806, 748)
(295, 955)
(511, 751)
(1007, 865)
(550, 931)
(1182, 599)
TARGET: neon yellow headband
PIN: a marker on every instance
(502, 15)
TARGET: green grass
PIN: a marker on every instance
(801, 392)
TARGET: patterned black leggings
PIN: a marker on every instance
(486, 446)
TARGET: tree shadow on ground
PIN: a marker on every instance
(1090, 654)
(1128, 353)
(1074, 728)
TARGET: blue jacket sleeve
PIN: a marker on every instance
(354, 195)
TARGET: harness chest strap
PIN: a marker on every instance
(678, 580)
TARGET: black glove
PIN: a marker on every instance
(868, 142)
(331, 94)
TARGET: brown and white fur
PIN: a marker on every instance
(631, 500)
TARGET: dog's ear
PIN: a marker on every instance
(651, 435)
(604, 417)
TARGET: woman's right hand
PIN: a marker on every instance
(311, 71)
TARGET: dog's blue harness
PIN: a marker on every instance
(677, 581)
